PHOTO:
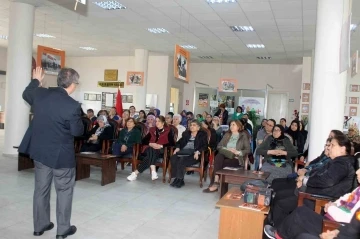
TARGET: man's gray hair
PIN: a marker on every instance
(177, 116)
(66, 77)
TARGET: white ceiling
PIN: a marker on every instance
(285, 27)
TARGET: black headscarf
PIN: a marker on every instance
(277, 141)
(294, 134)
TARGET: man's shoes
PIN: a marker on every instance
(47, 228)
(269, 231)
(176, 180)
(70, 232)
(180, 183)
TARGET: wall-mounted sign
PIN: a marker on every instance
(228, 85)
(181, 63)
(353, 100)
(113, 84)
(291, 100)
(111, 75)
(134, 78)
(92, 97)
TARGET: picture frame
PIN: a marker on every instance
(181, 64)
(228, 85)
(305, 108)
(354, 64)
(98, 97)
(354, 100)
(86, 96)
(50, 59)
(353, 111)
(135, 78)
(354, 88)
(305, 97)
(306, 86)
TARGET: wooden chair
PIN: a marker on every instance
(199, 167)
(297, 163)
(78, 141)
(115, 126)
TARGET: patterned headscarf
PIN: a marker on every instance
(149, 117)
(106, 123)
(355, 138)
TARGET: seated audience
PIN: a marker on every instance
(199, 118)
(103, 112)
(102, 131)
(246, 123)
(305, 220)
(217, 127)
(188, 152)
(169, 119)
(353, 134)
(128, 136)
(261, 135)
(332, 179)
(297, 136)
(238, 113)
(283, 123)
(233, 147)
(246, 116)
(209, 118)
(150, 121)
(183, 118)
(142, 117)
(156, 112)
(90, 115)
(204, 114)
(212, 143)
(113, 114)
(303, 131)
(176, 122)
(277, 151)
(223, 114)
(133, 113)
(158, 137)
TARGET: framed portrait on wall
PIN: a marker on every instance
(354, 100)
(50, 59)
(353, 111)
(306, 86)
(228, 85)
(305, 97)
(134, 78)
(354, 88)
(305, 108)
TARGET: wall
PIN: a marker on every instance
(352, 81)
(3, 61)
(281, 77)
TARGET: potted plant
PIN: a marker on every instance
(254, 117)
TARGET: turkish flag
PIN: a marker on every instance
(119, 107)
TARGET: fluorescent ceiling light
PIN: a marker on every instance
(206, 57)
(44, 35)
(110, 5)
(264, 57)
(353, 27)
(255, 46)
(157, 30)
(3, 37)
(221, 1)
(242, 28)
(188, 47)
(88, 48)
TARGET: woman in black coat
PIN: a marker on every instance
(297, 135)
(223, 114)
(102, 131)
(188, 152)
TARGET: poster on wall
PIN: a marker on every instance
(214, 103)
(51, 60)
(354, 64)
(305, 97)
(353, 111)
(134, 78)
(127, 99)
(230, 102)
(203, 100)
(353, 100)
(305, 108)
(252, 103)
(228, 85)
(354, 88)
(92, 97)
(181, 63)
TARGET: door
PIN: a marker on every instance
(277, 105)
(174, 100)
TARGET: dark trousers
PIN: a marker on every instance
(151, 156)
(64, 180)
(301, 220)
(128, 151)
(307, 236)
(220, 162)
(178, 165)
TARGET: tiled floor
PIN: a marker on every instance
(131, 210)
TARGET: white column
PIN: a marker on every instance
(329, 87)
(18, 73)
(141, 64)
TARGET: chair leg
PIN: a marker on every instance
(205, 175)
(201, 177)
(169, 171)
(122, 165)
(164, 168)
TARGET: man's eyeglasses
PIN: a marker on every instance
(270, 125)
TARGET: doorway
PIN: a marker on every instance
(174, 100)
(277, 105)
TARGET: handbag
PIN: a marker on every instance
(257, 193)
(228, 154)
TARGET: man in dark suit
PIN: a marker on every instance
(50, 142)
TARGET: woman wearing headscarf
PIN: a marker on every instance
(183, 118)
(102, 131)
(278, 151)
(157, 112)
(150, 121)
(353, 135)
(302, 130)
(297, 136)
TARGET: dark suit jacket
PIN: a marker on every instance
(225, 116)
(50, 136)
(200, 143)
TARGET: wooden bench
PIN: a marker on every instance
(24, 161)
(237, 177)
(107, 163)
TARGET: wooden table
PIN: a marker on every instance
(239, 223)
(24, 161)
(237, 177)
(106, 162)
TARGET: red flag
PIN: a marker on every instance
(119, 107)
